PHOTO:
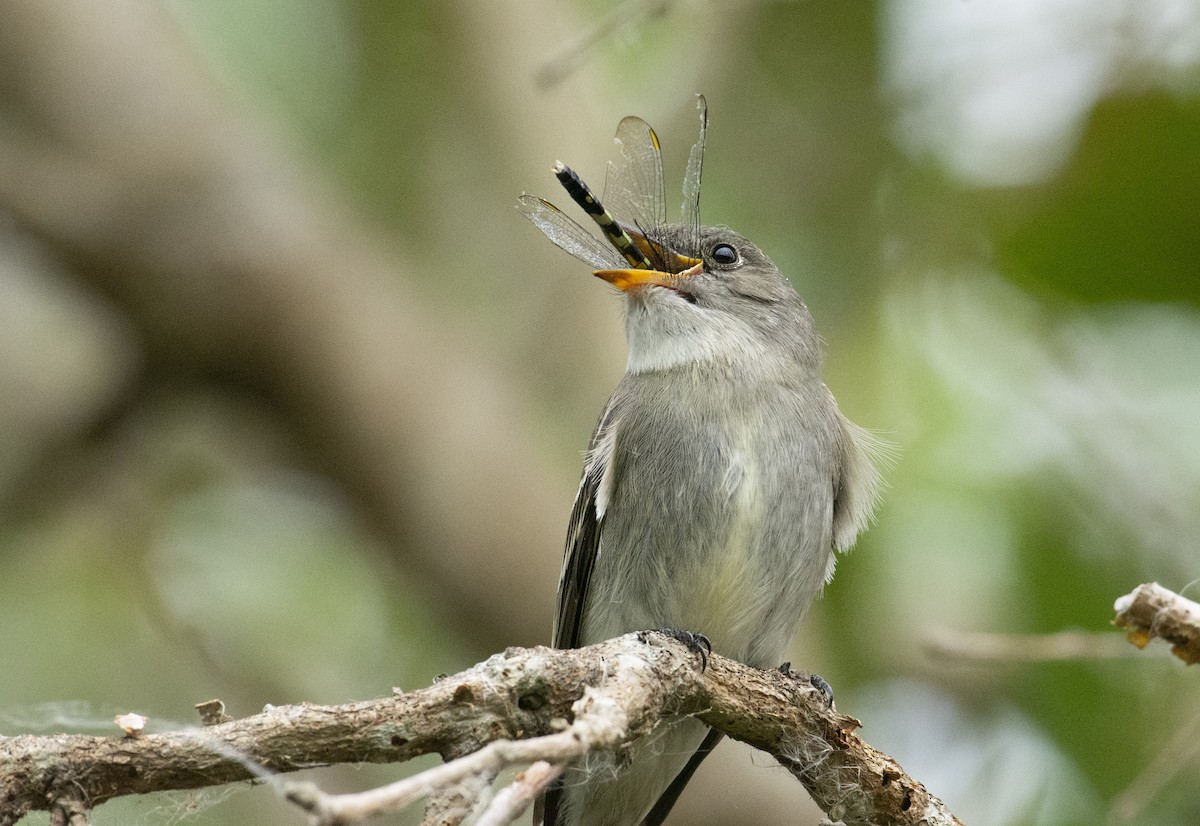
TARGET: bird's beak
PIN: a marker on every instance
(682, 266)
(628, 279)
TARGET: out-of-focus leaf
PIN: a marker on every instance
(1124, 223)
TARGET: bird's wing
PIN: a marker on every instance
(583, 534)
(582, 549)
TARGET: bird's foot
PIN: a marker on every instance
(696, 642)
(815, 680)
(819, 683)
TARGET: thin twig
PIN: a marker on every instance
(512, 801)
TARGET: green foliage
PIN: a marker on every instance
(1122, 220)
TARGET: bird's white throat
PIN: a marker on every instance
(664, 331)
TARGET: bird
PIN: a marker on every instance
(721, 479)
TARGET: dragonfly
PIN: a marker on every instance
(635, 230)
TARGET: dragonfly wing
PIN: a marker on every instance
(568, 236)
(633, 189)
(690, 213)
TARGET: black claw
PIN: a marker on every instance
(815, 680)
(818, 682)
(696, 642)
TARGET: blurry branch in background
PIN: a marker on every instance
(1130, 805)
(510, 710)
(1151, 611)
(570, 56)
(230, 260)
(990, 647)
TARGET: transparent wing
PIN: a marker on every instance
(568, 236)
(690, 211)
(633, 189)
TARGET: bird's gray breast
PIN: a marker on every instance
(716, 511)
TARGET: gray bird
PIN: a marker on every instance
(720, 479)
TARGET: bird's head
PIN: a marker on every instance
(717, 298)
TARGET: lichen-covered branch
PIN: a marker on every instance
(620, 689)
(1151, 610)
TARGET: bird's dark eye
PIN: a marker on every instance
(724, 254)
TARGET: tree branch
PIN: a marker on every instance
(611, 693)
(1151, 611)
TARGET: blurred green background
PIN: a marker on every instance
(292, 399)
